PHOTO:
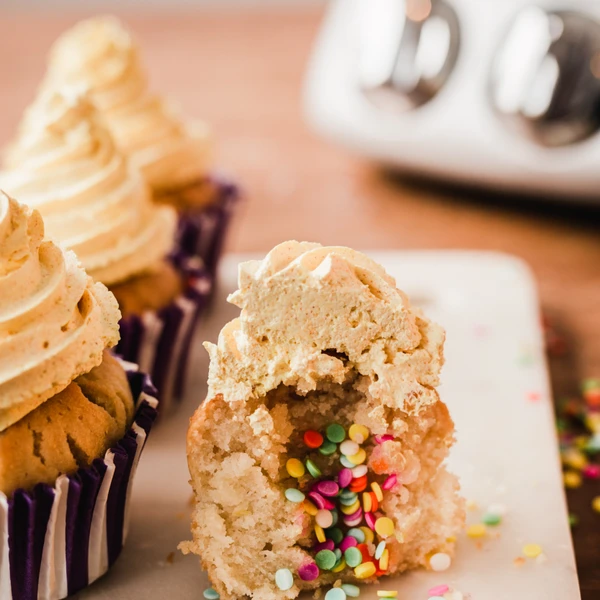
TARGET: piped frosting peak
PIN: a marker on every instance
(55, 322)
(310, 313)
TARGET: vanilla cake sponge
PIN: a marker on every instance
(318, 457)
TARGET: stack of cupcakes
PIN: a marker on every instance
(65, 164)
(123, 181)
(172, 154)
(73, 420)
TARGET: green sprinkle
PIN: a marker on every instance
(294, 495)
(491, 519)
(352, 591)
(588, 385)
(353, 557)
(338, 555)
(335, 433)
(349, 500)
(336, 517)
(327, 448)
(284, 579)
(326, 559)
(379, 550)
(573, 519)
(347, 463)
(348, 494)
(211, 594)
(357, 534)
(312, 468)
(335, 534)
(335, 594)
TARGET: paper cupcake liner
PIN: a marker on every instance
(159, 341)
(202, 232)
(56, 540)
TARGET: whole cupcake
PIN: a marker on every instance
(172, 154)
(65, 164)
(72, 420)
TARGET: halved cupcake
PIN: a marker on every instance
(65, 164)
(73, 422)
(318, 457)
(172, 154)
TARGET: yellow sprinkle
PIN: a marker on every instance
(574, 458)
(320, 533)
(572, 479)
(295, 468)
(532, 550)
(369, 535)
(367, 502)
(358, 433)
(384, 526)
(365, 570)
(471, 505)
(378, 493)
(451, 539)
(310, 508)
(581, 441)
(340, 567)
(358, 458)
(476, 531)
(596, 504)
(384, 561)
(387, 594)
(348, 510)
(592, 422)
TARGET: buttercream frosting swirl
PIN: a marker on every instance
(309, 313)
(55, 321)
(65, 164)
(101, 54)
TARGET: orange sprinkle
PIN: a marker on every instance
(313, 439)
(374, 502)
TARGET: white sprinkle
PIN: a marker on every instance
(440, 561)
(324, 518)
(359, 471)
(349, 448)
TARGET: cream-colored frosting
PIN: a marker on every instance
(55, 321)
(303, 306)
(100, 54)
(65, 164)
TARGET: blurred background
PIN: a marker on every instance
(409, 158)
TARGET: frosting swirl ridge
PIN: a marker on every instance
(65, 164)
(55, 321)
(101, 54)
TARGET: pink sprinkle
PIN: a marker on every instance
(353, 522)
(370, 519)
(379, 439)
(345, 477)
(592, 472)
(390, 482)
(308, 572)
(355, 515)
(438, 590)
(326, 545)
(328, 505)
(319, 501)
(347, 542)
(328, 488)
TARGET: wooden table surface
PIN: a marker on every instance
(242, 72)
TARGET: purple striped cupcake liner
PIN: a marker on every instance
(202, 232)
(159, 341)
(56, 540)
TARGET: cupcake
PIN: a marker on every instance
(318, 457)
(65, 164)
(172, 154)
(72, 421)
